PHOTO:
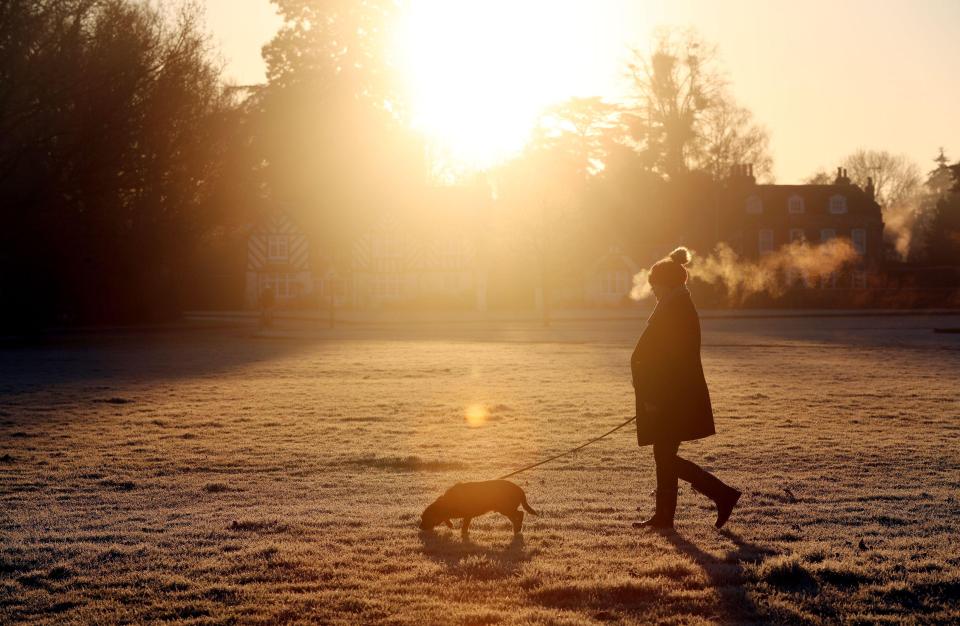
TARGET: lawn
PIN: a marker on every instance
(236, 476)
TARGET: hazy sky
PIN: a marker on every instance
(825, 76)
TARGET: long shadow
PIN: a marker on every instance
(114, 359)
(727, 575)
(458, 555)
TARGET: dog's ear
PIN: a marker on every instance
(447, 522)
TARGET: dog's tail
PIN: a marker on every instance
(527, 507)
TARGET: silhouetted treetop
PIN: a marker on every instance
(109, 114)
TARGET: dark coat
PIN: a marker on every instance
(668, 374)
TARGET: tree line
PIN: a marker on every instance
(127, 164)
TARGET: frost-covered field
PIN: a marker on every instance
(221, 476)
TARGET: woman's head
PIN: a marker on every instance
(669, 273)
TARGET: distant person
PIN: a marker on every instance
(672, 401)
(266, 307)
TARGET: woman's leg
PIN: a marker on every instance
(709, 485)
(664, 455)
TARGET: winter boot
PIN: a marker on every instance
(666, 506)
(723, 495)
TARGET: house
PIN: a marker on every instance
(759, 219)
(428, 256)
(609, 280)
(426, 263)
(278, 259)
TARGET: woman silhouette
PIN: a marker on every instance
(673, 404)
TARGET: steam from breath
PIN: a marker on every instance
(772, 274)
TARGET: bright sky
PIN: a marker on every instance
(825, 76)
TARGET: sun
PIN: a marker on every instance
(479, 73)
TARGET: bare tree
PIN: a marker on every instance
(674, 86)
(729, 136)
(820, 177)
(896, 179)
(683, 117)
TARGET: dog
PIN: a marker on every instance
(468, 500)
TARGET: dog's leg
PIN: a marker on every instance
(517, 518)
(465, 527)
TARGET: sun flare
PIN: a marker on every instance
(478, 74)
(476, 415)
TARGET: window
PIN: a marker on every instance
(754, 205)
(381, 264)
(859, 238)
(858, 280)
(838, 204)
(385, 245)
(797, 234)
(827, 234)
(615, 283)
(277, 247)
(283, 285)
(795, 204)
(452, 254)
(766, 241)
(386, 285)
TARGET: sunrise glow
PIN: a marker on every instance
(478, 74)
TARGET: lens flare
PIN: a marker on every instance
(476, 415)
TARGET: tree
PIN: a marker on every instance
(820, 177)
(109, 118)
(939, 179)
(896, 179)
(729, 136)
(898, 189)
(538, 209)
(586, 129)
(684, 118)
(334, 41)
(943, 225)
(330, 120)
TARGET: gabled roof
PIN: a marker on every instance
(816, 197)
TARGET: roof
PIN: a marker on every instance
(816, 197)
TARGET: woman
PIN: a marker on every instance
(673, 404)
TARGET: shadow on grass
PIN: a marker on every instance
(463, 557)
(117, 357)
(727, 575)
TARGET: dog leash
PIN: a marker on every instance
(580, 447)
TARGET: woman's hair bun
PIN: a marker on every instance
(681, 255)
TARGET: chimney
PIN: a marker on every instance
(871, 191)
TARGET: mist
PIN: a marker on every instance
(771, 275)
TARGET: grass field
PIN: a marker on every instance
(226, 476)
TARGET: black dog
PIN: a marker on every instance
(468, 500)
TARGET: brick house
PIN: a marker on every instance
(759, 219)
